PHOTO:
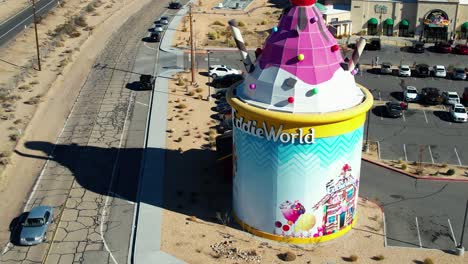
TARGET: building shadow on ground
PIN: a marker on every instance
(192, 182)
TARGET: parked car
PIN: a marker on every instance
(226, 81)
(465, 96)
(443, 47)
(221, 70)
(422, 70)
(461, 49)
(394, 109)
(146, 82)
(430, 95)
(459, 74)
(451, 98)
(439, 71)
(175, 5)
(458, 113)
(404, 70)
(418, 47)
(155, 36)
(386, 68)
(373, 44)
(410, 94)
(163, 20)
(158, 28)
(34, 228)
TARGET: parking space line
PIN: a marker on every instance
(430, 153)
(404, 150)
(458, 157)
(451, 230)
(380, 97)
(403, 114)
(419, 235)
(425, 117)
(378, 148)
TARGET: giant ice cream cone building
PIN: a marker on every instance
(298, 121)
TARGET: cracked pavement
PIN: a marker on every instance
(92, 175)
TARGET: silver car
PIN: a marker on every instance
(34, 228)
(459, 74)
(164, 20)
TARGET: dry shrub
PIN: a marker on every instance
(24, 87)
(14, 137)
(287, 256)
(218, 23)
(80, 21)
(199, 90)
(404, 166)
(181, 106)
(90, 8)
(33, 100)
(34, 82)
(378, 257)
(178, 139)
(428, 261)
(199, 97)
(353, 258)
(191, 93)
(241, 24)
(450, 172)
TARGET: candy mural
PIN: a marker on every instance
(298, 121)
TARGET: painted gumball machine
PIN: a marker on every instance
(298, 120)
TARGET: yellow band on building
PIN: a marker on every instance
(324, 124)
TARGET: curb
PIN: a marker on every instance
(412, 175)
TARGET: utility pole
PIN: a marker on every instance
(208, 53)
(37, 39)
(192, 55)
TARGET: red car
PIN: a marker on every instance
(443, 47)
(461, 49)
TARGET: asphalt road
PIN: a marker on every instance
(438, 207)
(92, 176)
(9, 28)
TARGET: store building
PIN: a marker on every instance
(339, 19)
(429, 20)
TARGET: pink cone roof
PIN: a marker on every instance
(314, 41)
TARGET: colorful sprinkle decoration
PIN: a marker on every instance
(252, 86)
(314, 91)
(354, 71)
(290, 99)
(275, 29)
(335, 48)
(300, 57)
(313, 20)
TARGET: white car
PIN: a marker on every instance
(451, 98)
(458, 113)
(411, 94)
(221, 70)
(158, 28)
(404, 70)
(439, 71)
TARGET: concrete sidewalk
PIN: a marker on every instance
(148, 219)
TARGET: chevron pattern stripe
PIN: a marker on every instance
(297, 157)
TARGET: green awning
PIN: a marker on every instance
(464, 26)
(373, 21)
(388, 21)
(404, 23)
(320, 7)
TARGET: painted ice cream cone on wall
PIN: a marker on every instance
(297, 133)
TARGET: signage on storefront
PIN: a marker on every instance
(380, 9)
(437, 18)
(273, 134)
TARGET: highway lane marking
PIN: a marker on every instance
(141, 103)
(451, 230)
(114, 170)
(458, 157)
(404, 150)
(39, 10)
(425, 117)
(430, 152)
(145, 44)
(419, 235)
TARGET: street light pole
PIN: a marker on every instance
(366, 146)
(35, 31)
(460, 249)
(192, 56)
(209, 92)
